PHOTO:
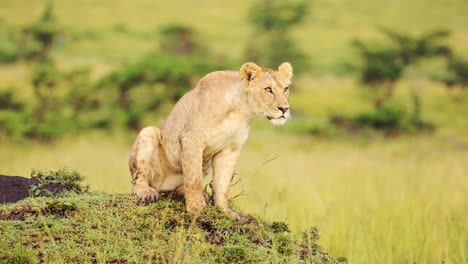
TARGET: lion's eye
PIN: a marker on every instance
(286, 89)
(269, 90)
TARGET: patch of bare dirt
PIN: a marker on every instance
(14, 188)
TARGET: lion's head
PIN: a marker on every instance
(268, 90)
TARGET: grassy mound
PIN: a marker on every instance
(117, 228)
(74, 225)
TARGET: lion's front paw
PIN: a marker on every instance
(234, 215)
(196, 205)
(145, 193)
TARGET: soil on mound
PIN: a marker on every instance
(14, 188)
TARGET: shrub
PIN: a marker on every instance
(388, 116)
(52, 183)
(8, 101)
(181, 40)
(456, 72)
(8, 48)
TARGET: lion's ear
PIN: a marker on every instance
(249, 71)
(286, 70)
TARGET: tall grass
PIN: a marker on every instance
(376, 200)
(399, 200)
(383, 201)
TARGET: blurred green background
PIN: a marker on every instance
(375, 154)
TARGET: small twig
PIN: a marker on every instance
(234, 184)
(263, 164)
(265, 210)
(242, 190)
(242, 182)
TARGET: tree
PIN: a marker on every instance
(272, 43)
(40, 36)
(385, 64)
(60, 97)
(144, 86)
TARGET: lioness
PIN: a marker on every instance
(205, 132)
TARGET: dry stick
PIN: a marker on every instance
(232, 178)
(209, 195)
(242, 182)
(242, 188)
(265, 210)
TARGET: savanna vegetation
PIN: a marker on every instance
(375, 154)
(120, 229)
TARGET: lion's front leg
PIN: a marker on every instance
(223, 169)
(193, 175)
(141, 166)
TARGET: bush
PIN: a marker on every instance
(8, 48)
(388, 116)
(8, 101)
(456, 73)
(16, 124)
(52, 183)
(181, 40)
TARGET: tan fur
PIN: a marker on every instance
(205, 132)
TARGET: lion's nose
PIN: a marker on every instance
(283, 109)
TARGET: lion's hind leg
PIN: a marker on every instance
(142, 164)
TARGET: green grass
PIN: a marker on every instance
(102, 228)
(376, 200)
(379, 201)
(406, 194)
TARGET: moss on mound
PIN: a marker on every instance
(117, 228)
